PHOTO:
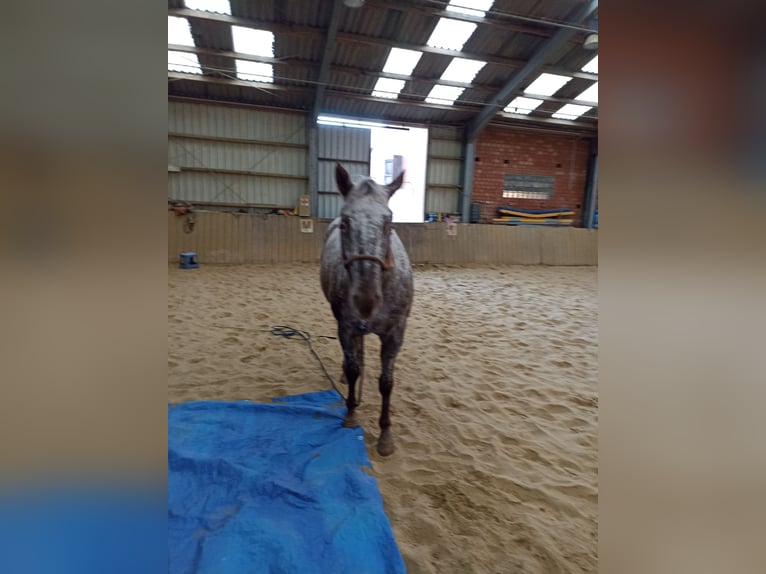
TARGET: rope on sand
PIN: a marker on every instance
(289, 332)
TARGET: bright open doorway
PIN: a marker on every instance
(392, 149)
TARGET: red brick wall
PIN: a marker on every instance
(504, 150)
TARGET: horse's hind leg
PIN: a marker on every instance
(390, 345)
(353, 361)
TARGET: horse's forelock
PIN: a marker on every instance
(367, 187)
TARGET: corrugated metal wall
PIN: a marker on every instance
(236, 155)
(247, 238)
(349, 146)
(443, 179)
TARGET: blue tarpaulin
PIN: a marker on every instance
(273, 488)
(75, 526)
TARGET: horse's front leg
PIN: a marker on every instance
(390, 345)
(353, 359)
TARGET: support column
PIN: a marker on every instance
(591, 190)
(312, 164)
(469, 159)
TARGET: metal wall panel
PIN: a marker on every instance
(443, 172)
(350, 147)
(185, 152)
(346, 144)
(247, 238)
(444, 148)
(326, 179)
(440, 200)
(213, 187)
(330, 205)
(278, 172)
(234, 122)
(446, 133)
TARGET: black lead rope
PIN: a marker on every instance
(290, 332)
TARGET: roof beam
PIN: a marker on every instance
(361, 71)
(407, 96)
(441, 13)
(327, 56)
(227, 54)
(503, 20)
(262, 86)
(533, 66)
(307, 31)
(340, 94)
(292, 88)
(548, 119)
(499, 60)
(246, 22)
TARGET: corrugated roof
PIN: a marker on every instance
(510, 34)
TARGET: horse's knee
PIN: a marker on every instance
(351, 370)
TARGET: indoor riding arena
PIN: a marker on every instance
(489, 110)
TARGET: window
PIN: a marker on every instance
(521, 186)
(521, 194)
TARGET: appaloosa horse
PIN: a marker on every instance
(367, 279)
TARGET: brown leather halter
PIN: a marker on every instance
(385, 264)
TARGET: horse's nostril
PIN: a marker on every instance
(364, 306)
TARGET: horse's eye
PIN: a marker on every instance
(343, 226)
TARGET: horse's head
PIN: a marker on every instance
(366, 238)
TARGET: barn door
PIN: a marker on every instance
(350, 147)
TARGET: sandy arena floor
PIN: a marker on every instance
(494, 410)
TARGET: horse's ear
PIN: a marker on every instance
(342, 179)
(396, 184)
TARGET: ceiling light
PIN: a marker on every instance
(591, 42)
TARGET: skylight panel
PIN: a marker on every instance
(387, 88)
(451, 34)
(546, 84)
(179, 31)
(444, 95)
(522, 105)
(571, 112)
(183, 62)
(401, 61)
(218, 6)
(462, 70)
(255, 71)
(592, 66)
(255, 42)
(478, 7)
(589, 95)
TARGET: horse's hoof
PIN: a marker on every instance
(351, 421)
(385, 444)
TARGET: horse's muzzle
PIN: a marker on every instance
(366, 305)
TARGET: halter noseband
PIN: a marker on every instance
(384, 265)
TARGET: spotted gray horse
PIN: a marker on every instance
(367, 279)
